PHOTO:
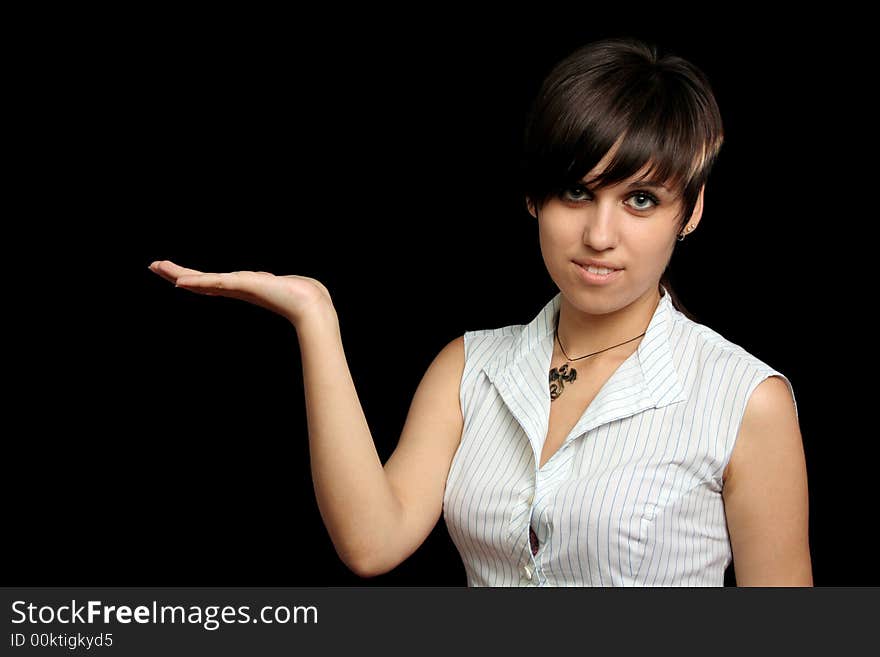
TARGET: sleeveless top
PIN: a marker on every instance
(632, 497)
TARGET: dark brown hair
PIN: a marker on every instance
(660, 104)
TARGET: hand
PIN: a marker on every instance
(293, 297)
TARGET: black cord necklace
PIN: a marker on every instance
(561, 375)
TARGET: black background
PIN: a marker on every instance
(158, 437)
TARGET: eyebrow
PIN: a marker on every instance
(635, 185)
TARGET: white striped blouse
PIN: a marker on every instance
(633, 495)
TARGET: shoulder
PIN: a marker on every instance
(482, 344)
(770, 406)
(751, 397)
(451, 357)
(769, 438)
(769, 428)
(494, 334)
(707, 352)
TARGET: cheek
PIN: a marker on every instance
(549, 236)
(651, 245)
(555, 246)
(559, 233)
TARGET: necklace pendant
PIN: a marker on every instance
(558, 377)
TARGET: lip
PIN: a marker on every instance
(586, 262)
(597, 279)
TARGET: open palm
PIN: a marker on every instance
(290, 296)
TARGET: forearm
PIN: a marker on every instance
(354, 496)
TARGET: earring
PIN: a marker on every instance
(682, 234)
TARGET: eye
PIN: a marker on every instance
(565, 197)
(642, 196)
(582, 194)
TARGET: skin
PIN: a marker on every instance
(765, 483)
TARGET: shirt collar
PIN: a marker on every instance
(647, 378)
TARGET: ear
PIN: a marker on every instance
(531, 207)
(697, 214)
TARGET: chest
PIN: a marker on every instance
(587, 516)
(576, 396)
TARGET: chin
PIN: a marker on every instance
(596, 303)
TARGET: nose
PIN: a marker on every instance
(601, 225)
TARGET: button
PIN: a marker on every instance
(527, 571)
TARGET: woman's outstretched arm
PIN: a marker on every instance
(356, 500)
(376, 515)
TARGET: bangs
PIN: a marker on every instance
(662, 120)
(661, 141)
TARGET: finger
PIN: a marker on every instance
(217, 283)
(227, 285)
(169, 267)
(171, 271)
(173, 268)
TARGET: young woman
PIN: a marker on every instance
(612, 440)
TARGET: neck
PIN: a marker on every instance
(584, 332)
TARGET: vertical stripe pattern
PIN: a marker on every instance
(633, 495)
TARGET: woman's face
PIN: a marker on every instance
(632, 228)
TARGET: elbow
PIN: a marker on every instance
(372, 556)
(371, 564)
(364, 568)
(358, 566)
(363, 572)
